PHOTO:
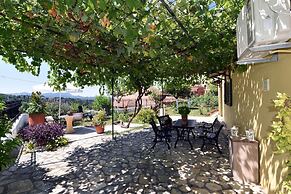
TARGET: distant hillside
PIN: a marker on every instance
(21, 94)
(54, 95)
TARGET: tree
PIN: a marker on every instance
(139, 83)
(100, 102)
(90, 42)
(158, 97)
(7, 141)
(179, 88)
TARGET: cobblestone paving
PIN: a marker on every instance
(100, 165)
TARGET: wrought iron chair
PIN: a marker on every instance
(203, 127)
(211, 133)
(160, 134)
(166, 124)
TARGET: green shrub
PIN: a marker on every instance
(2, 105)
(52, 109)
(23, 107)
(203, 110)
(74, 106)
(101, 102)
(7, 142)
(59, 142)
(209, 99)
(124, 117)
(281, 132)
(206, 100)
(30, 145)
(213, 89)
(145, 115)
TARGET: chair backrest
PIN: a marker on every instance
(214, 122)
(154, 126)
(165, 121)
(217, 126)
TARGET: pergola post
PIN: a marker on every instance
(60, 102)
(161, 98)
(112, 108)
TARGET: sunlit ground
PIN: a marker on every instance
(127, 165)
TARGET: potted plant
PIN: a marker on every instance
(99, 121)
(35, 108)
(184, 111)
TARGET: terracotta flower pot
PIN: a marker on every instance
(99, 129)
(35, 119)
(184, 119)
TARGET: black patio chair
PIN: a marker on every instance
(160, 134)
(211, 133)
(203, 127)
(166, 124)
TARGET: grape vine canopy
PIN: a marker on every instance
(90, 42)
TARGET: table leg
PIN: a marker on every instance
(193, 134)
(178, 136)
(33, 158)
(189, 130)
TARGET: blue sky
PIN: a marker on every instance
(13, 81)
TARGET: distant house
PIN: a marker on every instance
(129, 101)
(147, 101)
(198, 90)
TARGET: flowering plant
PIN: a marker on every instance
(42, 134)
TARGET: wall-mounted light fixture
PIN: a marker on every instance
(266, 85)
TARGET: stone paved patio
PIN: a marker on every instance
(99, 165)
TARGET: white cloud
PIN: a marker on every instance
(45, 88)
(88, 92)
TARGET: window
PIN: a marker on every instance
(266, 85)
(228, 92)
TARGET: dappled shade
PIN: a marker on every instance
(128, 165)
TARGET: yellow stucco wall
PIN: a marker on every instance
(253, 108)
